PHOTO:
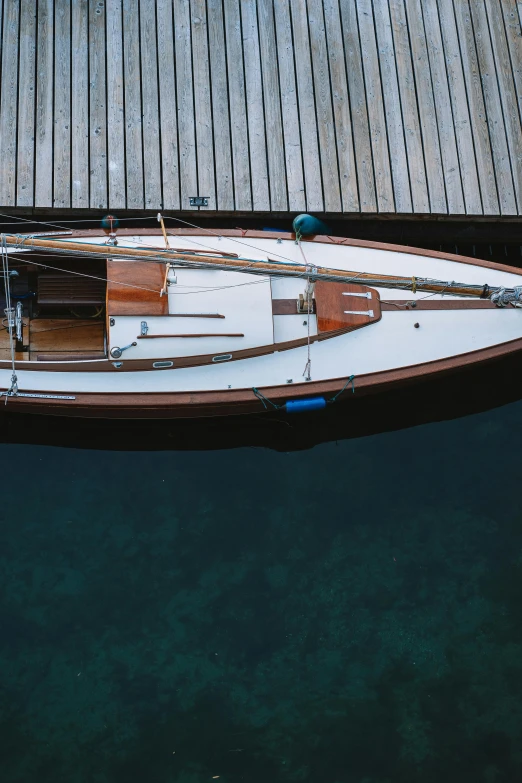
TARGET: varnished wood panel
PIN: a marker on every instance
(56, 335)
(336, 309)
(341, 106)
(133, 288)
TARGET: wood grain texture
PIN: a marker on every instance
(132, 98)
(255, 106)
(508, 94)
(185, 92)
(393, 108)
(341, 108)
(62, 105)
(115, 106)
(80, 104)
(238, 113)
(202, 102)
(410, 109)
(56, 334)
(477, 109)
(133, 288)
(168, 106)
(447, 129)
(374, 101)
(26, 107)
(306, 98)
(289, 107)
(474, 179)
(275, 149)
(496, 122)
(97, 107)
(359, 111)
(513, 28)
(337, 310)
(220, 111)
(150, 105)
(44, 105)
(323, 107)
(427, 112)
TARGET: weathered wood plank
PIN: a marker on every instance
(150, 108)
(410, 111)
(8, 104)
(512, 24)
(393, 109)
(168, 106)
(427, 113)
(43, 196)
(508, 95)
(26, 105)
(255, 108)
(447, 134)
(220, 113)
(341, 108)
(97, 106)
(476, 177)
(323, 107)
(80, 104)
(238, 114)
(359, 112)
(306, 98)
(185, 92)
(202, 102)
(374, 100)
(479, 126)
(501, 156)
(289, 108)
(62, 104)
(132, 97)
(115, 106)
(272, 101)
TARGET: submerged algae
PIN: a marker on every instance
(351, 613)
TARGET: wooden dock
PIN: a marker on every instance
(401, 107)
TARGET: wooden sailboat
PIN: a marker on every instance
(196, 323)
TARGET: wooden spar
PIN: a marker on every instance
(251, 266)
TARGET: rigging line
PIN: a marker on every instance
(232, 239)
(139, 287)
(307, 373)
(26, 220)
(13, 389)
(44, 223)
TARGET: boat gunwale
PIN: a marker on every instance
(194, 404)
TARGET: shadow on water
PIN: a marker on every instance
(344, 614)
(353, 416)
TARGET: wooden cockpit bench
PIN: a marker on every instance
(69, 290)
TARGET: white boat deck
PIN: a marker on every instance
(393, 342)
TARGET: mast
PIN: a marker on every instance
(205, 260)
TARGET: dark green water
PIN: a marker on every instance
(346, 614)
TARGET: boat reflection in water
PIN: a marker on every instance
(463, 393)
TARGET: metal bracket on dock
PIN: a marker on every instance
(198, 201)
